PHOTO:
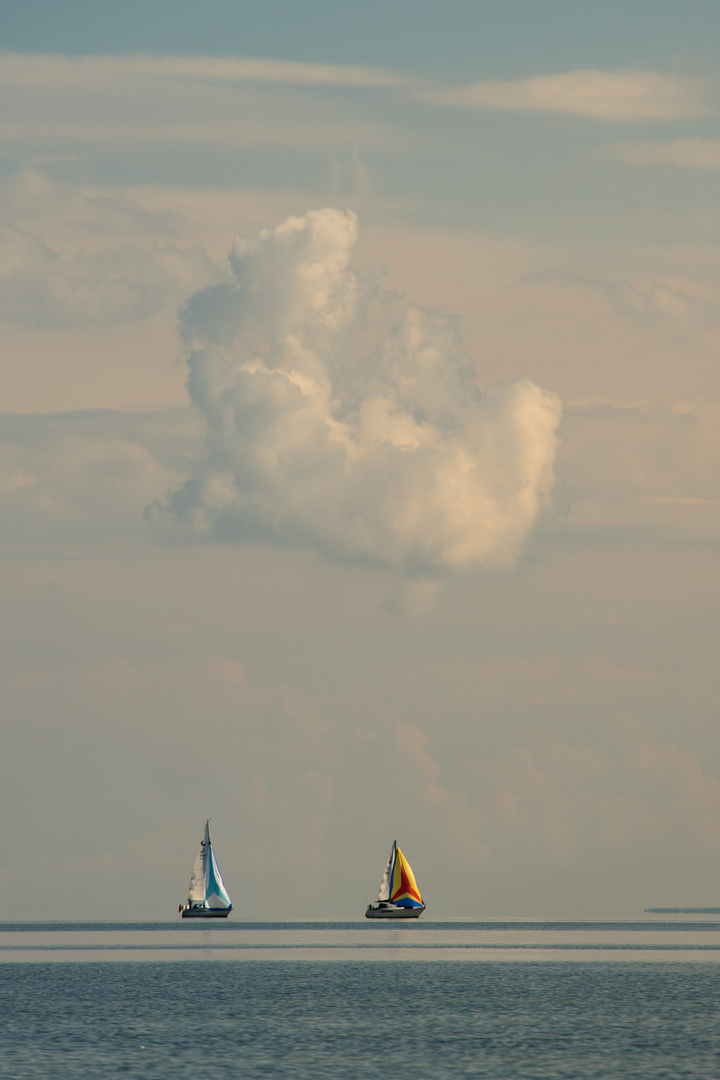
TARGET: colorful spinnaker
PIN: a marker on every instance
(399, 896)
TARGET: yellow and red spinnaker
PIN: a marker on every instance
(403, 887)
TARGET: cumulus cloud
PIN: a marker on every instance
(621, 96)
(380, 450)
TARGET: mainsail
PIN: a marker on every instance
(384, 894)
(207, 888)
(398, 885)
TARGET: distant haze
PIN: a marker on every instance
(359, 461)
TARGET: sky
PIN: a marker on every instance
(360, 455)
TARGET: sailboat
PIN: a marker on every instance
(399, 896)
(207, 897)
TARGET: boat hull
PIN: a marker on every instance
(206, 913)
(391, 911)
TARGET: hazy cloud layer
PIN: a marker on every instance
(656, 304)
(88, 102)
(691, 153)
(526, 749)
(387, 453)
(80, 481)
(32, 198)
(643, 469)
(621, 96)
(72, 257)
(43, 70)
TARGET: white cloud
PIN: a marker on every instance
(623, 96)
(683, 153)
(380, 451)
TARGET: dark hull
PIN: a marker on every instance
(389, 911)
(206, 913)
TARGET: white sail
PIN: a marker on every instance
(198, 878)
(384, 893)
(207, 887)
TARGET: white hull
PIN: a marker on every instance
(393, 911)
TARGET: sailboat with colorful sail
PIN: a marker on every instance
(399, 896)
(207, 896)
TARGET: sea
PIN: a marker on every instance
(497, 1000)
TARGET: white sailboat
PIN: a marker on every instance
(207, 896)
(399, 896)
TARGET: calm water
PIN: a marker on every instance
(610, 1000)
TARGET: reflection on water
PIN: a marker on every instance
(489, 940)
